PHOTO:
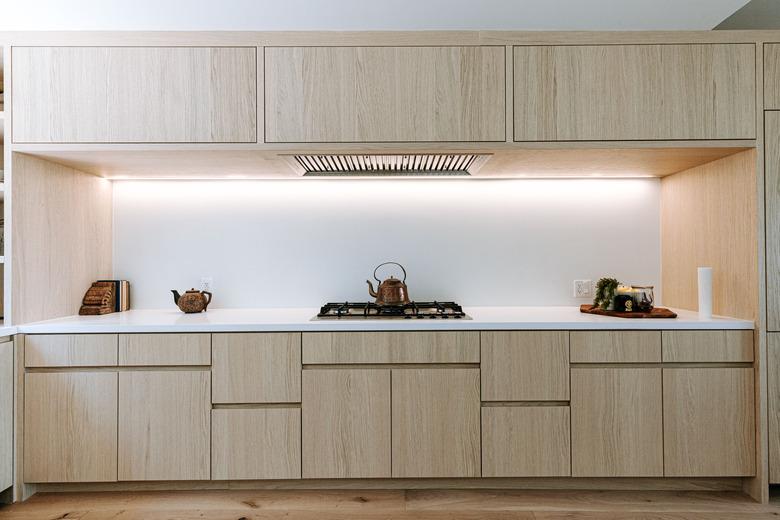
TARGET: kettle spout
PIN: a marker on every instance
(371, 291)
(176, 296)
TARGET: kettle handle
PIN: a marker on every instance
(389, 263)
(209, 300)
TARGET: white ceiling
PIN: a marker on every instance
(365, 14)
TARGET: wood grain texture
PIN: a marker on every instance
(709, 422)
(256, 444)
(70, 350)
(616, 422)
(256, 368)
(627, 92)
(164, 425)
(6, 414)
(615, 346)
(525, 366)
(771, 76)
(773, 399)
(708, 218)
(772, 212)
(526, 441)
(436, 423)
(70, 427)
(346, 423)
(164, 349)
(61, 240)
(391, 347)
(134, 94)
(708, 346)
(376, 94)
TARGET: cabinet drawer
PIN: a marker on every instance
(525, 441)
(164, 349)
(390, 347)
(256, 368)
(385, 94)
(634, 92)
(772, 76)
(708, 346)
(615, 346)
(525, 366)
(134, 94)
(70, 350)
(256, 444)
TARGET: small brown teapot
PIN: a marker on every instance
(392, 291)
(192, 301)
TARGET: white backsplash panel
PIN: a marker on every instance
(300, 243)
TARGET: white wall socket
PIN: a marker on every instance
(206, 283)
(583, 289)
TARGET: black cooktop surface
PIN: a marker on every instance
(409, 311)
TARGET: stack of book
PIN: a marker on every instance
(105, 297)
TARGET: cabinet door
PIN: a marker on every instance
(134, 94)
(346, 423)
(164, 349)
(70, 427)
(256, 368)
(772, 180)
(384, 94)
(525, 366)
(630, 92)
(773, 403)
(709, 422)
(6, 414)
(164, 425)
(771, 76)
(708, 346)
(436, 424)
(70, 350)
(616, 422)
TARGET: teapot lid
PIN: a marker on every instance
(193, 290)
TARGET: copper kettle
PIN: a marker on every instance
(392, 291)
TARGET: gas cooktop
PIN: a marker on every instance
(409, 311)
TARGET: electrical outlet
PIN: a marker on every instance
(583, 289)
(206, 283)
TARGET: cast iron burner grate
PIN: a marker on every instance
(413, 310)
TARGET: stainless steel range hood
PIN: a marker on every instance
(397, 165)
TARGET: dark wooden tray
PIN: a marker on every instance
(657, 312)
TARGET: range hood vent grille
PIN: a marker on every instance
(371, 165)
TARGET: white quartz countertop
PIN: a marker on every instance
(300, 319)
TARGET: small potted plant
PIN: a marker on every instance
(605, 293)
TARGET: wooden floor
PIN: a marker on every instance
(376, 505)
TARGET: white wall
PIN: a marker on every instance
(300, 243)
(268, 15)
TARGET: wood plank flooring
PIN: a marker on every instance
(381, 505)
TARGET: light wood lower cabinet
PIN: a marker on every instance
(436, 423)
(70, 350)
(164, 425)
(346, 423)
(6, 414)
(616, 422)
(164, 349)
(70, 427)
(253, 444)
(709, 422)
(773, 399)
(526, 441)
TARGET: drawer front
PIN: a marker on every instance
(708, 346)
(70, 350)
(385, 94)
(256, 368)
(256, 444)
(390, 347)
(164, 349)
(634, 92)
(612, 346)
(525, 366)
(772, 76)
(526, 441)
(134, 94)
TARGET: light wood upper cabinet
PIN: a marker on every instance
(346, 423)
(771, 76)
(634, 92)
(616, 422)
(525, 366)
(70, 427)
(709, 422)
(134, 94)
(772, 187)
(384, 94)
(436, 423)
(256, 368)
(164, 425)
(6, 414)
